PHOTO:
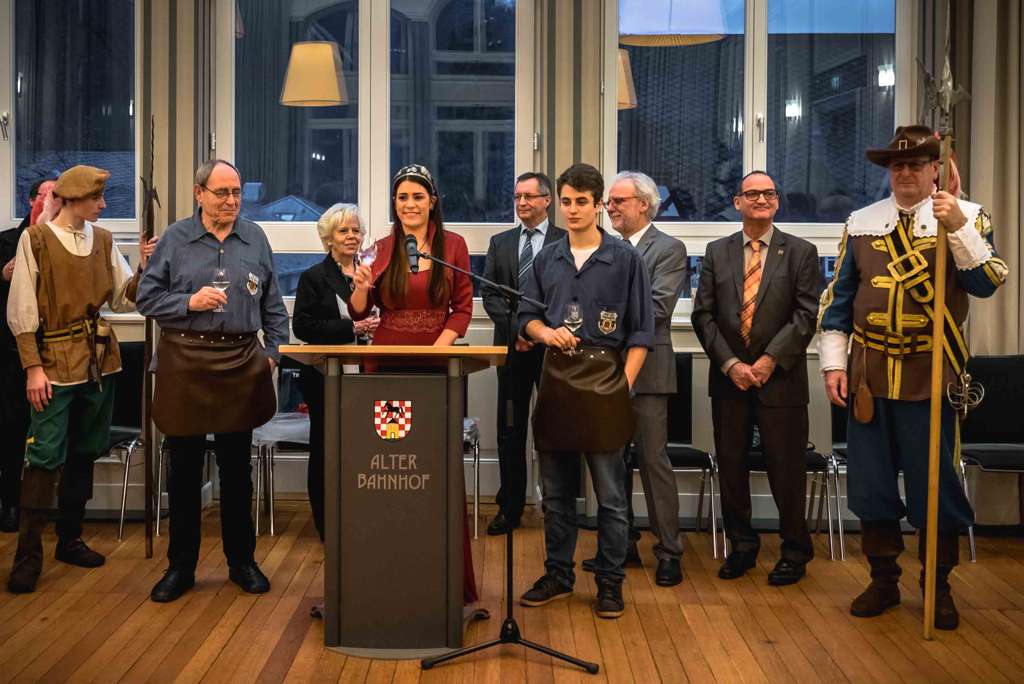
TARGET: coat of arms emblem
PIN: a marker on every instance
(392, 419)
(254, 284)
(608, 322)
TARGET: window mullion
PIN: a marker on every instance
(7, 198)
(756, 135)
(378, 73)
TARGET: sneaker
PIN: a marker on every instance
(545, 590)
(609, 600)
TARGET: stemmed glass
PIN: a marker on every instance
(368, 255)
(221, 281)
(368, 335)
(573, 320)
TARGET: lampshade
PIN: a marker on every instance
(314, 77)
(239, 27)
(627, 93)
(670, 23)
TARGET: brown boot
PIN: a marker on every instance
(37, 488)
(884, 590)
(947, 556)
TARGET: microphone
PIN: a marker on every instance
(413, 252)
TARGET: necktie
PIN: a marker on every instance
(751, 281)
(526, 256)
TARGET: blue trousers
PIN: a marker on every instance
(558, 473)
(897, 437)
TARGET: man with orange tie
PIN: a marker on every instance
(755, 313)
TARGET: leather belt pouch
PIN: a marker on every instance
(583, 402)
(210, 383)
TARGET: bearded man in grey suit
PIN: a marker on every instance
(633, 200)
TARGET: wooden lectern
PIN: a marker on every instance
(394, 502)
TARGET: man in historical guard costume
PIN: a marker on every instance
(880, 296)
(65, 271)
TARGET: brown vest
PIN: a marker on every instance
(892, 337)
(69, 287)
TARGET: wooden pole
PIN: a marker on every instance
(935, 433)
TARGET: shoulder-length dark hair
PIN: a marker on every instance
(394, 282)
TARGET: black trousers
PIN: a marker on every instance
(14, 421)
(311, 385)
(184, 493)
(784, 442)
(511, 497)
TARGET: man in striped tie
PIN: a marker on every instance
(510, 262)
(754, 313)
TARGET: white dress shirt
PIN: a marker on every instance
(537, 240)
(748, 252)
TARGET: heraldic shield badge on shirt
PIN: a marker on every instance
(392, 419)
(608, 322)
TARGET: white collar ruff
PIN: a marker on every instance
(881, 217)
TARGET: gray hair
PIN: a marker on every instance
(335, 216)
(646, 190)
(203, 172)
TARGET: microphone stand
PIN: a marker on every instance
(509, 629)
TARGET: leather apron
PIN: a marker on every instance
(583, 402)
(211, 383)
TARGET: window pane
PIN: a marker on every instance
(453, 102)
(74, 70)
(685, 127)
(295, 161)
(290, 266)
(831, 95)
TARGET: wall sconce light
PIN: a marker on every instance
(314, 77)
(627, 91)
(886, 76)
(793, 109)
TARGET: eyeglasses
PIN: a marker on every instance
(616, 201)
(525, 196)
(224, 193)
(752, 195)
(915, 166)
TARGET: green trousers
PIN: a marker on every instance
(77, 415)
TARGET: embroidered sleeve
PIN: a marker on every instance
(835, 314)
(980, 270)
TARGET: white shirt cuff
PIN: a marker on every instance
(729, 364)
(832, 351)
(969, 248)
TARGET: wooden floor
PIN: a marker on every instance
(99, 626)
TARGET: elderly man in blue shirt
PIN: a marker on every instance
(606, 277)
(211, 285)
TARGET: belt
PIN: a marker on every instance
(893, 343)
(79, 330)
(207, 339)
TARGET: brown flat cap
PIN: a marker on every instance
(908, 142)
(80, 182)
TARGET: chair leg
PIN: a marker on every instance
(970, 530)
(713, 514)
(839, 510)
(828, 503)
(124, 491)
(822, 497)
(810, 501)
(271, 448)
(259, 484)
(159, 489)
(476, 488)
(700, 499)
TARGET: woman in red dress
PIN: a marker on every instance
(431, 307)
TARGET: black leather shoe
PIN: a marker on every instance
(77, 553)
(669, 573)
(632, 558)
(737, 564)
(500, 524)
(173, 584)
(10, 520)
(250, 578)
(786, 572)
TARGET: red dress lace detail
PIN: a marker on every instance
(413, 320)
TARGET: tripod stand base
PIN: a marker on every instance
(509, 635)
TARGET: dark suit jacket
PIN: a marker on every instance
(502, 267)
(8, 248)
(316, 319)
(784, 315)
(666, 261)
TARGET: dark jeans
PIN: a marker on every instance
(311, 384)
(558, 472)
(784, 441)
(184, 493)
(14, 421)
(512, 457)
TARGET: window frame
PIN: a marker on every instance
(697, 235)
(374, 97)
(122, 229)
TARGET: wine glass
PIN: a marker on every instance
(221, 281)
(573, 320)
(368, 255)
(368, 335)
